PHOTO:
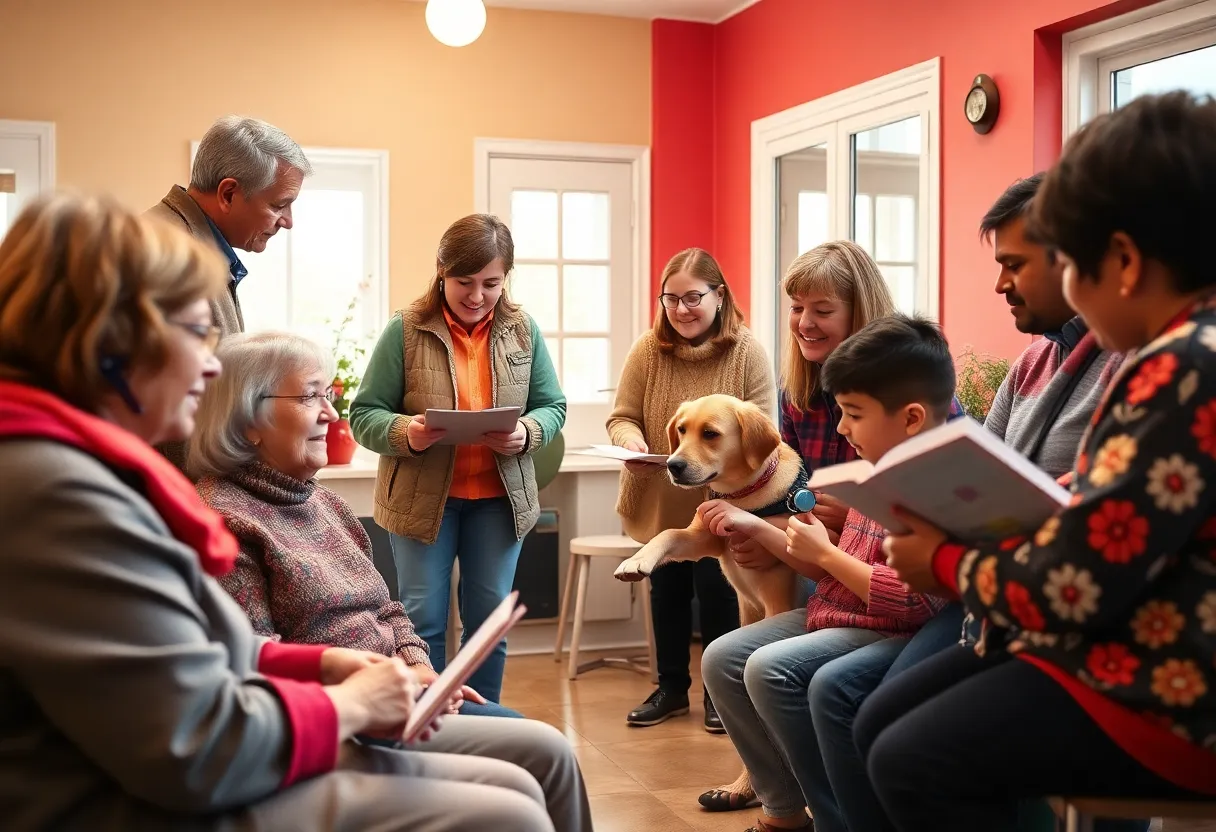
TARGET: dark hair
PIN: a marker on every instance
(1011, 205)
(1148, 170)
(700, 264)
(897, 360)
(468, 246)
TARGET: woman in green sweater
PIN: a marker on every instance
(463, 345)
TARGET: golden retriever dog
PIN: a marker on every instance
(734, 448)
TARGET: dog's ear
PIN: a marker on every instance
(759, 436)
(673, 438)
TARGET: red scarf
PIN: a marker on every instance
(27, 412)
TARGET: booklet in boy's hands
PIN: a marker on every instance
(434, 700)
(958, 476)
(623, 454)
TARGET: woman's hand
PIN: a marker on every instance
(427, 676)
(830, 512)
(419, 435)
(507, 444)
(375, 700)
(807, 539)
(911, 554)
(638, 467)
(724, 519)
(337, 663)
(748, 553)
(1065, 479)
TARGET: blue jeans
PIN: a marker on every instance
(758, 678)
(488, 709)
(846, 798)
(481, 534)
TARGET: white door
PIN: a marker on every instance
(572, 226)
(27, 165)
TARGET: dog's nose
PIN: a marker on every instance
(676, 466)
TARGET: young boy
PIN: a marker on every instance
(893, 379)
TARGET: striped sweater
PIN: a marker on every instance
(892, 609)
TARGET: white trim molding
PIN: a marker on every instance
(637, 156)
(1092, 53)
(909, 92)
(44, 132)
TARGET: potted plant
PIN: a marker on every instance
(978, 376)
(349, 352)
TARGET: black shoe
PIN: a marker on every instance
(658, 707)
(713, 722)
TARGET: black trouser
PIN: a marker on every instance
(671, 590)
(956, 741)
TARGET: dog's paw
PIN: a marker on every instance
(631, 570)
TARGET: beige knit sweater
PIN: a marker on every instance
(652, 386)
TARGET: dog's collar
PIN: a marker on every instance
(763, 480)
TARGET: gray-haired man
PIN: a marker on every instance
(246, 175)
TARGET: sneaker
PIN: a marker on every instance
(658, 707)
(713, 722)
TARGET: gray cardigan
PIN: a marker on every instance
(127, 684)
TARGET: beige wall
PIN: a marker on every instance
(129, 83)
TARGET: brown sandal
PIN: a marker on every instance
(761, 826)
(720, 800)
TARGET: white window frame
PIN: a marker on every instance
(637, 156)
(44, 132)
(375, 301)
(913, 91)
(1092, 53)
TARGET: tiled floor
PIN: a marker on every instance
(639, 779)
(642, 779)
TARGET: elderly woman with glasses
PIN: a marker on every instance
(133, 692)
(305, 572)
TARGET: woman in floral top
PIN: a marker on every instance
(1115, 596)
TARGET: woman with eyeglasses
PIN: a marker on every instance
(133, 692)
(305, 572)
(697, 346)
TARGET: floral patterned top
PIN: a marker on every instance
(1115, 596)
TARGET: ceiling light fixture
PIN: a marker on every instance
(456, 22)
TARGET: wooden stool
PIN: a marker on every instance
(1079, 813)
(582, 550)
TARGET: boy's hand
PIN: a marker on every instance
(830, 512)
(806, 538)
(724, 519)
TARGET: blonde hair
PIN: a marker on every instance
(468, 246)
(843, 271)
(82, 278)
(700, 264)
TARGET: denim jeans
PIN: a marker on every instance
(758, 678)
(848, 801)
(481, 534)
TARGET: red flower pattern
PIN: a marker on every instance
(1023, 608)
(1204, 428)
(1112, 664)
(1152, 375)
(1117, 532)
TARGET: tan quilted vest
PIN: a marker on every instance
(411, 490)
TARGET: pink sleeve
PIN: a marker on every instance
(314, 728)
(889, 597)
(301, 662)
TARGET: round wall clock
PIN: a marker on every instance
(983, 104)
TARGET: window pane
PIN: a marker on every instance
(263, 292)
(1194, 71)
(812, 220)
(585, 304)
(534, 224)
(554, 346)
(895, 228)
(863, 228)
(7, 200)
(534, 287)
(328, 248)
(901, 280)
(585, 369)
(898, 137)
(585, 226)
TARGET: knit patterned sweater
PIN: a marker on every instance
(653, 384)
(305, 572)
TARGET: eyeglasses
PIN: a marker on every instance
(310, 399)
(207, 333)
(691, 299)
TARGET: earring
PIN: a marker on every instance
(719, 307)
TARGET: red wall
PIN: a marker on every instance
(780, 53)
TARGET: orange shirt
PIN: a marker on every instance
(476, 474)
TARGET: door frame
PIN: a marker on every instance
(638, 158)
(44, 132)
